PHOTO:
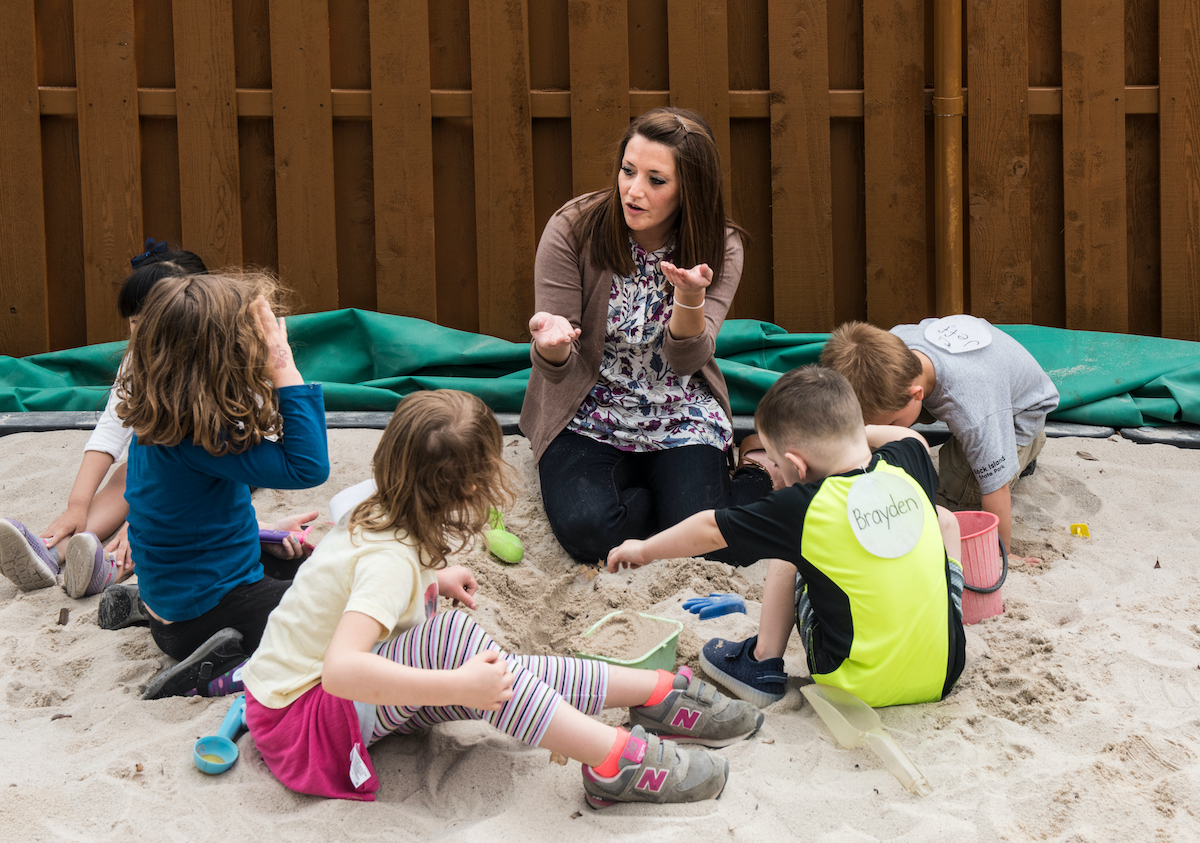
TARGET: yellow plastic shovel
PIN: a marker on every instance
(854, 723)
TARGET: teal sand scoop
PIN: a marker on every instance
(216, 753)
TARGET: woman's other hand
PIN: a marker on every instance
(552, 336)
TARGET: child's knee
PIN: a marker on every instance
(467, 636)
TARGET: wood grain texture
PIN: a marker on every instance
(206, 102)
(894, 126)
(1179, 140)
(1094, 242)
(699, 67)
(503, 143)
(55, 39)
(599, 89)
(846, 157)
(801, 201)
(1143, 176)
(998, 166)
(110, 155)
(303, 132)
(402, 139)
(1048, 267)
(24, 327)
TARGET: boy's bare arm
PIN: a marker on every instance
(693, 536)
(879, 435)
(999, 503)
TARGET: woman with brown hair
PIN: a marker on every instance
(626, 410)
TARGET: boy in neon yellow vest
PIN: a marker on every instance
(863, 562)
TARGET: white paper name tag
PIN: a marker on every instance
(959, 333)
(885, 514)
(358, 770)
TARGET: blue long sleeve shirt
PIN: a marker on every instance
(192, 526)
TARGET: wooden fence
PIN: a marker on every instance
(403, 156)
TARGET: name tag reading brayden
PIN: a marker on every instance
(959, 333)
(885, 514)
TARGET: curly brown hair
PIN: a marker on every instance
(877, 363)
(198, 366)
(438, 470)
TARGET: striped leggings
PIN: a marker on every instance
(448, 640)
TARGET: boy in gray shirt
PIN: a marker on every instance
(990, 392)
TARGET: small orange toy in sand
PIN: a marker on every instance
(1079, 530)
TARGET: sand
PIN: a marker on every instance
(1077, 717)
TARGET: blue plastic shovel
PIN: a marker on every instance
(216, 753)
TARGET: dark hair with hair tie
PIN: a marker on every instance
(152, 267)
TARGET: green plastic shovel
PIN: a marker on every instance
(854, 723)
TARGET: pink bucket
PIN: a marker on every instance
(985, 565)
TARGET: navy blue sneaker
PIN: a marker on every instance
(732, 663)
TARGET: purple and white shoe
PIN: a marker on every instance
(24, 557)
(88, 569)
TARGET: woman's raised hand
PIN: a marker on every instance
(689, 284)
(552, 336)
(281, 368)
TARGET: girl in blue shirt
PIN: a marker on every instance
(209, 378)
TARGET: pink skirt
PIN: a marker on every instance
(314, 745)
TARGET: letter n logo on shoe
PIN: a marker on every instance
(686, 718)
(652, 779)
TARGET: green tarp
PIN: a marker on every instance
(367, 361)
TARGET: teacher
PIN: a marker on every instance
(626, 411)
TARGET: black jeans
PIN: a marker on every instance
(596, 496)
(245, 608)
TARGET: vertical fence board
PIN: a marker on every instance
(110, 154)
(699, 67)
(1047, 265)
(303, 114)
(1179, 137)
(24, 325)
(751, 160)
(599, 47)
(206, 105)
(160, 180)
(846, 157)
(354, 199)
(998, 123)
(802, 222)
(55, 40)
(894, 127)
(551, 170)
(1097, 288)
(256, 135)
(353, 158)
(402, 137)
(750, 157)
(154, 50)
(1143, 175)
(503, 136)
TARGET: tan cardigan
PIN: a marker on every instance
(567, 284)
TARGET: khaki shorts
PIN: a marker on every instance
(956, 480)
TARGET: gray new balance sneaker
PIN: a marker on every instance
(654, 770)
(696, 712)
(24, 558)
